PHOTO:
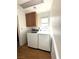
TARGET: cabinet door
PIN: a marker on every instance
(31, 19)
(32, 40)
(29, 39)
(44, 42)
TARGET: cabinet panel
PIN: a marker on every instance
(44, 42)
(31, 19)
(32, 40)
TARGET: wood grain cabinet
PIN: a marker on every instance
(31, 19)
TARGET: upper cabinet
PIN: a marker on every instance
(31, 19)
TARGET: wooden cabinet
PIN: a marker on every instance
(31, 19)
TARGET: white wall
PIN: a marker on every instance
(21, 26)
(56, 26)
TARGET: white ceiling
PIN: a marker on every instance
(43, 7)
(30, 3)
(22, 1)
